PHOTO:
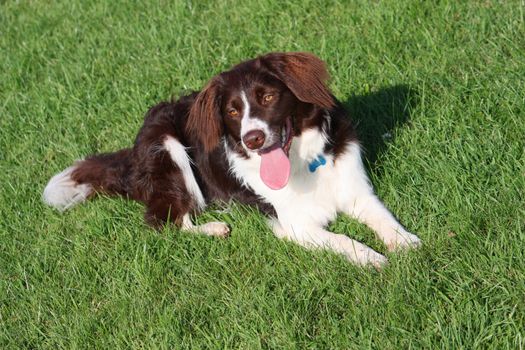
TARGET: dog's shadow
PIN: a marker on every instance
(377, 114)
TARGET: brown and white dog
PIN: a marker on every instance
(267, 133)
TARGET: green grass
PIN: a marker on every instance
(446, 79)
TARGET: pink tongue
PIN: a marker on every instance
(275, 169)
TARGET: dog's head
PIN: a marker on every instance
(258, 105)
(255, 101)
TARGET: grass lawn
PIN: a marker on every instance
(438, 91)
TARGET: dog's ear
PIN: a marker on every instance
(304, 74)
(204, 121)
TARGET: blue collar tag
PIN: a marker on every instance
(316, 163)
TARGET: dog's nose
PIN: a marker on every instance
(254, 139)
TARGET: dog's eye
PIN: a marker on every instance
(233, 112)
(267, 98)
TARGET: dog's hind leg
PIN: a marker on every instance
(172, 203)
(175, 192)
(175, 208)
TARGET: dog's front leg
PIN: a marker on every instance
(319, 238)
(369, 210)
(356, 198)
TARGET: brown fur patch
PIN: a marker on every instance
(205, 121)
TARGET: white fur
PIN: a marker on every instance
(215, 228)
(311, 200)
(63, 193)
(249, 123)
(180, 157)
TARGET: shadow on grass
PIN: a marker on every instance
(377, 114)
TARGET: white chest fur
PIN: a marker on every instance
(310, 199)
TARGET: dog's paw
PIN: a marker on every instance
(403, 240)
(216, 229)
(377, 261)
(368, 257)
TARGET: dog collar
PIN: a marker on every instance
(316, 163)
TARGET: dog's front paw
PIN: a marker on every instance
(377, 261)
(403, 240)
(368, 257)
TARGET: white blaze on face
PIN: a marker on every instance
(275, 167)
(249, 123)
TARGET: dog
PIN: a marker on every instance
(267, 133)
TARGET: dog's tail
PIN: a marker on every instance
(107, 173)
